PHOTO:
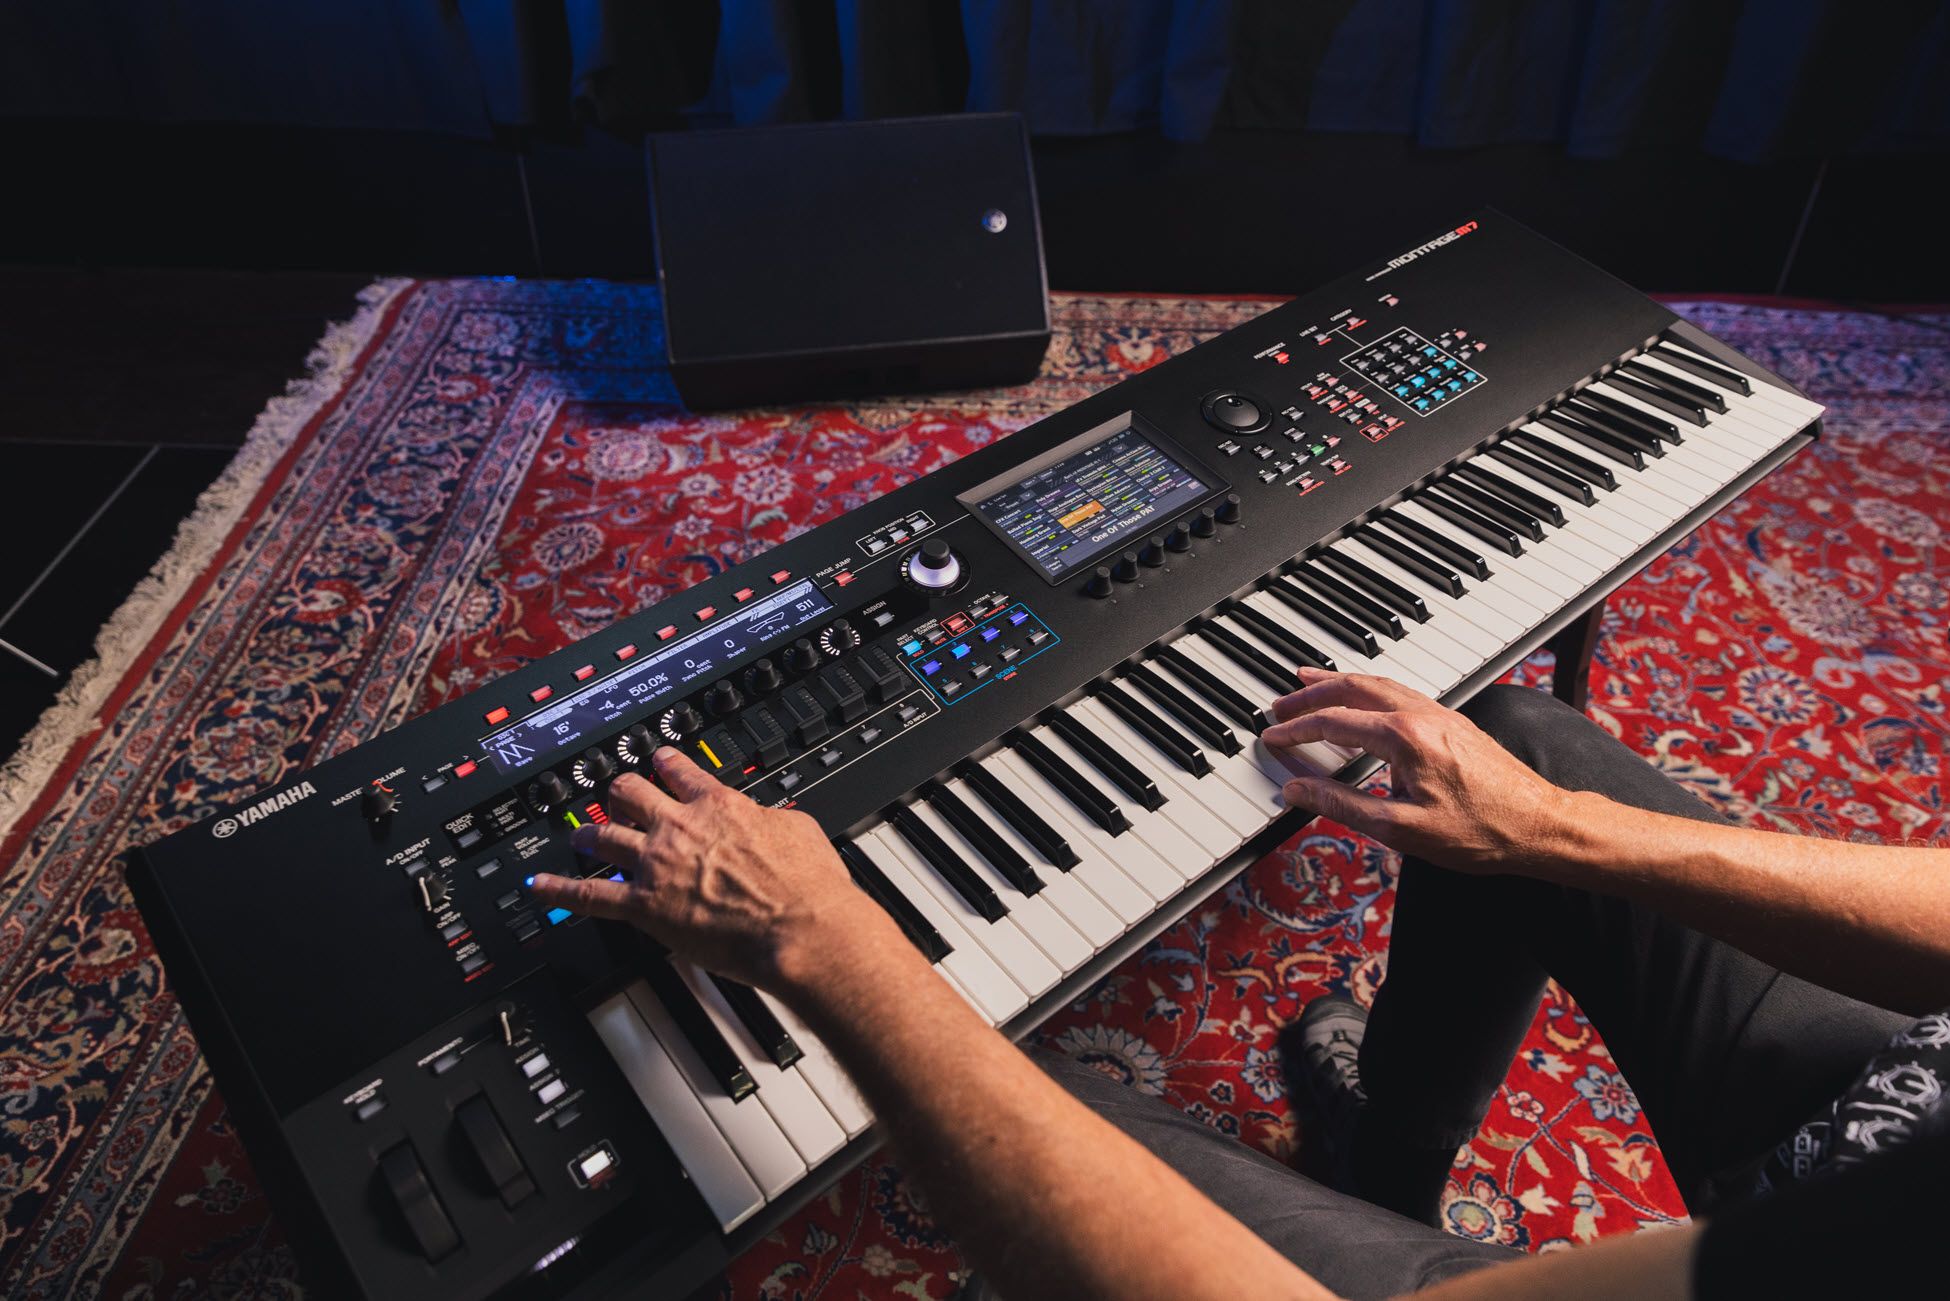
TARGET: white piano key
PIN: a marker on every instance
(1003, 941)
(1503, 619)
(1766, 420)
(1261, 779)
(1210, 793)
(1437, 655)
(1324, 756)
(721, 1178)
(1127, 850)
(1110, 884)
(762, 1147)
(987, 986)
(1089, 915)
(1032, 914)
(1532, 577)
(1393, 660)
(823, 1072)
(1166, 838)
(1792, 405)
(1655, 492)
(807, 1125)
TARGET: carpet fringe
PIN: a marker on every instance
(74, 715)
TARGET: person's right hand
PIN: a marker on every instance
(752, 893)
(1460, 800)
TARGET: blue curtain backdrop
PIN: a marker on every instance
(1746, 79)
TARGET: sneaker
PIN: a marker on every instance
(1320, 1056)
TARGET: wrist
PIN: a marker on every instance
(1563, 851)
(822, 953)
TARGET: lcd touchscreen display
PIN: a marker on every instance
(1066, 515)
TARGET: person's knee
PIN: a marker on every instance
(1522, 719)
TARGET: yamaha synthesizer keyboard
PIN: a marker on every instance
(1020, 694)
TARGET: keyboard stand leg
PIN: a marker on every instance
(1572, 648)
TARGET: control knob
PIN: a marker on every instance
(838, 638)
(434, 891)
(724, 698)
(1204, 523)
(1228, 511)
(763, 678)
(1098, 584)
(637, 743)
(1177, 538)
(550, 792)
(378, 802)
(934, 566)
(1124, 569)
(1152, 553)
(595, 767)
(680, 723)
(802, 656)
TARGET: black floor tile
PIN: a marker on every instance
(24, 692)
(52, 489)
(57, 624)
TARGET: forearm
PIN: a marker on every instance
(1871, 921)
(1049, 1198)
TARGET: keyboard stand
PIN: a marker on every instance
(1572, 647)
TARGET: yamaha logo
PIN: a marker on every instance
(223, 828)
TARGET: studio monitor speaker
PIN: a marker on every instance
(848, 258)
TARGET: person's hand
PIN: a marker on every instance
(752, 893)
(1460, 799)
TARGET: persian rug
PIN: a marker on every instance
(478, 472)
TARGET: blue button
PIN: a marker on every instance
(1417, 380)
(1448, 363)
(1401, 390)
(556, 916)
(959, 651)
(990, 634)
(1429, 351)
(1421, 404)
(910, 647)
(1018, 616)
(1471, 376)
(931, 668)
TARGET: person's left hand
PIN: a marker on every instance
(752, 893)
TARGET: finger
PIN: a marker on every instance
(686, 780)
(1357, 810)
(638, 799)
(1358, 729)
(623, 846)
(1355, 690)
(596, 897)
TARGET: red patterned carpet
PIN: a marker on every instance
(487, 470)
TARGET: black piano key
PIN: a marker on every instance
(1195, 718)
(1076, 788)
(1712, 372)
(1174, 744)
(1381, 587)
(1114, 767)
(867, 875)
(1471, 522)
(1001, 855)
(1624, 412)
(1029, 824)
(1582, 466)
(941, 856)
(695, 1024)
(755, 1016)
(1683, 391)
(1279, 678)
(1223, 698)
(1346, 627)
(1288, 643)
(1435, 544)
(1423, 566)
(1514, 495)
(1544, 472)
(1511, 517)
(1371, 612)
(1606, 442)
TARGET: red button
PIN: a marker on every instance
(743, 593)
(499, 714)
(465, 769)
(585, 672)
(706, 613)
(539, 694)
(781, 576)
(624, 652)
(956, 623)
(843, 578)
(666, 632)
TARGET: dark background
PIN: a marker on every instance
(194, 192)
